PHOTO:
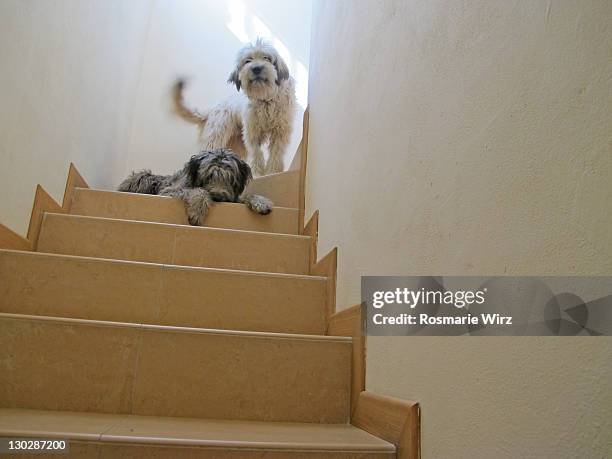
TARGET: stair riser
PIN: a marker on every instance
(54, 365)
(283, 189)
(170, 244)
(129, 206)
(113, 451)
(84, 288)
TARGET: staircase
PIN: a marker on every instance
(132, 334)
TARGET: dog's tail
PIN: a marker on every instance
(142, 182)
(193, 116)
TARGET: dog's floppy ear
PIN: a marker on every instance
(245, 176)
(282, 71)
(233, 78)
(192, 169)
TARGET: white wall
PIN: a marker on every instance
(88, 81)
(67, 84)
(471, 138)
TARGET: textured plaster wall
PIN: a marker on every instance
(69, 69)
(451, 137)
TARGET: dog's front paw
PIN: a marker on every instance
(260, 205)
(274, 166)
(194, 218)
(198, 203)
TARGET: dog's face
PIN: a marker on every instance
(221, 172)
(259, 70)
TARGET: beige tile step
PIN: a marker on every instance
(174, 244)
(147, 436)
(53, 363)
(131, 206)
(124, 291)
(282, 188)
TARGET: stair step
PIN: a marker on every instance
(52, 363)
(113, 435)
(162, 209)
(126, 291)
(174, 244)
(282, 188)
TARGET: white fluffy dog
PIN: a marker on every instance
(262, 112)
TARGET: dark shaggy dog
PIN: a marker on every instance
(211, 175)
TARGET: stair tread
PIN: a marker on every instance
(121, 428)
(168, 266)
(175, 329)
(203, 229)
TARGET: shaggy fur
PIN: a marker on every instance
(211, 175)
(262, 112)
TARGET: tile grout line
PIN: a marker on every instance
(140, 332)
(160, 289)
(173, 255)
(111, 426)
(135, 373)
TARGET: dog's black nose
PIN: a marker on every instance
(256, 69)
